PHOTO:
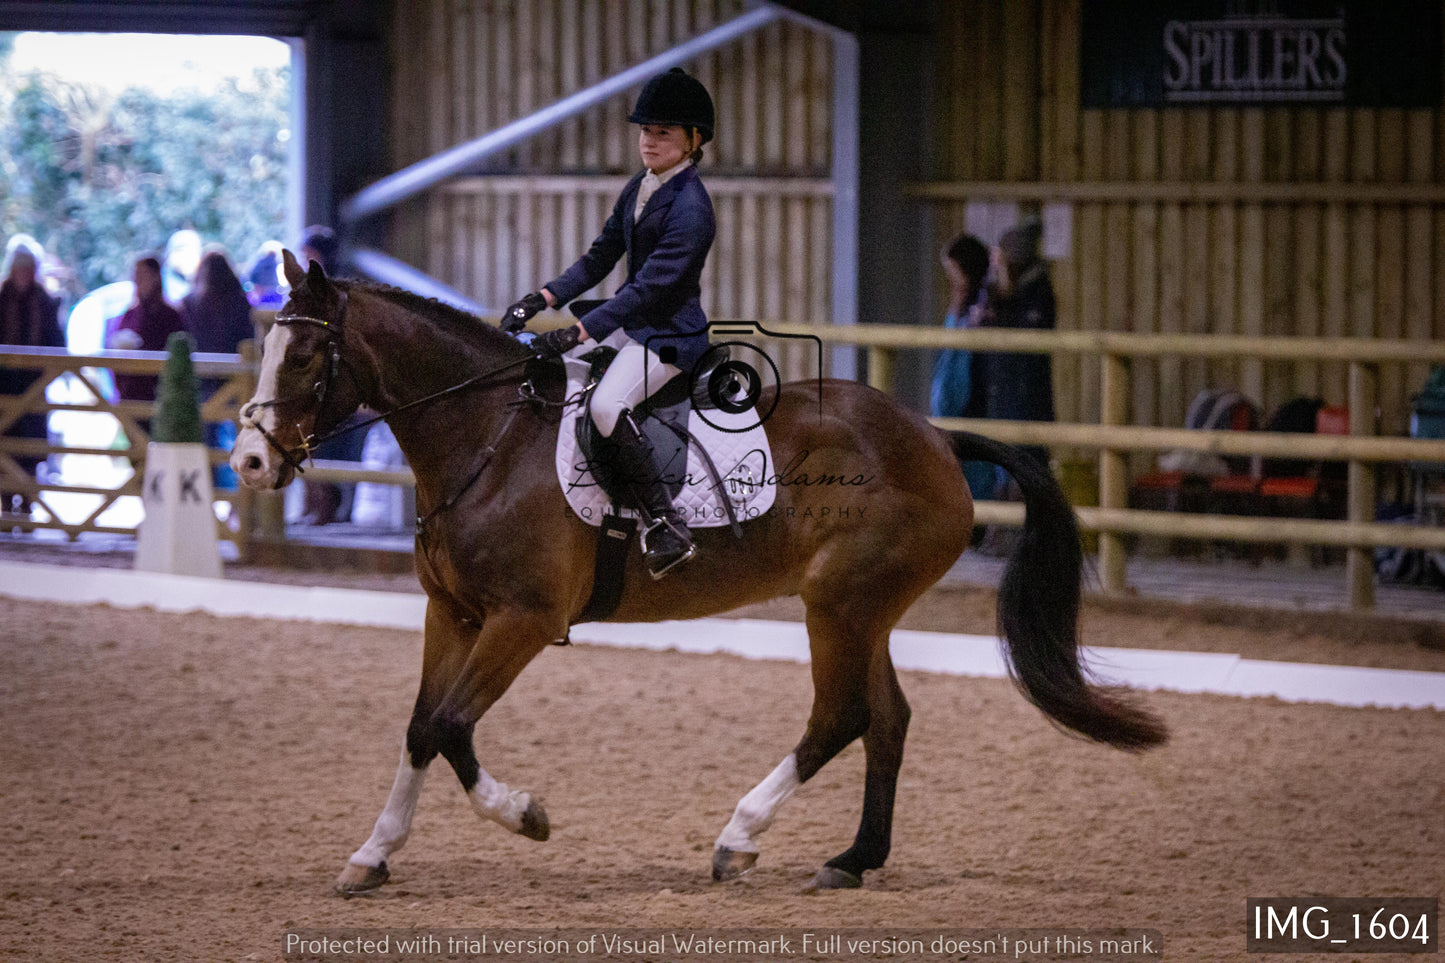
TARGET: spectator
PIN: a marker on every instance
(182, 258)
(958, 385)
(263, 279)
(957, 379)
(145, 327)
(319, 244)
(327, 502)
(28, 316)
(216, 311)
(1019, 387)
(218, 316)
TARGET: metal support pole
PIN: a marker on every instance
(1113, 470)
(845, 197)
(1360, 562)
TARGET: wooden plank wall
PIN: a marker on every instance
(464, 67)
(1009, 111)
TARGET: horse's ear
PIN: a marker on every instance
(294, 273)
(316, 276)
(319, 286)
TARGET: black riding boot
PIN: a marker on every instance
(666, 542)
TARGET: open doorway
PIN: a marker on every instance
(118, 145)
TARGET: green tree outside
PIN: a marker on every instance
(98, 177)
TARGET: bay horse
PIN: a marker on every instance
(506, 569)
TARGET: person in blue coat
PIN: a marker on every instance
(958, 389)
(663, 224)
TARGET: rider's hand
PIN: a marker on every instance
(517, 316)
(554, 344)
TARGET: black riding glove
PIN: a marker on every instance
(523, 311)
(554, 344)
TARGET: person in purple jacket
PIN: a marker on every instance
(663, 223)
(145, 327)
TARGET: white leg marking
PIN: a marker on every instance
(394, 823)
(756, 810)
(495, 801)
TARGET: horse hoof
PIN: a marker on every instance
(731, 863)
(360, 879)
(534, 822)
(831, 877)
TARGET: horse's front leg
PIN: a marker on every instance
(508, 641)
(449, 640)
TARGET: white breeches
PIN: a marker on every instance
(633, 375)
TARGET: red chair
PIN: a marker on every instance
(1234, 495)
(1238, 492)
(1321, 493)
(1201, 490)
(1168, 491)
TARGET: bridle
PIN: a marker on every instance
(335, 361)
(322, 388)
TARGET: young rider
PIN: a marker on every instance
(663, 223)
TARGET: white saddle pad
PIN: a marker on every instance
(743, 460)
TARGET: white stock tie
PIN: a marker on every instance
(650, 183)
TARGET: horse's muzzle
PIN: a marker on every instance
(257, 464)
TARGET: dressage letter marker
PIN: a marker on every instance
(178, 535)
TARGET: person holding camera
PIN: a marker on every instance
(663, 222)
(959, 389)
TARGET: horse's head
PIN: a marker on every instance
(303, 390)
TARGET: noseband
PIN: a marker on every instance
(320, 390)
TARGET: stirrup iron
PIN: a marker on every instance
(657, 574)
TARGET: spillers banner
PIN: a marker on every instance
(1178, 53)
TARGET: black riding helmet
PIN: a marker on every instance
(675, 98)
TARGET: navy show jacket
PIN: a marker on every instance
(659, 304)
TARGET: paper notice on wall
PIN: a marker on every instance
(987, 220)
(1058, 220)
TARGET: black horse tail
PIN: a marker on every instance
(1038, 609)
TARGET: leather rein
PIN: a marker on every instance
(322, 388)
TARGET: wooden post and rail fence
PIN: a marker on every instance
(259, 516)
(1113, 437)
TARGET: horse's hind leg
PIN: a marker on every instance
(888, 715)
(840, 714)
(449, 638)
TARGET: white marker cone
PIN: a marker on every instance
(178, 535)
